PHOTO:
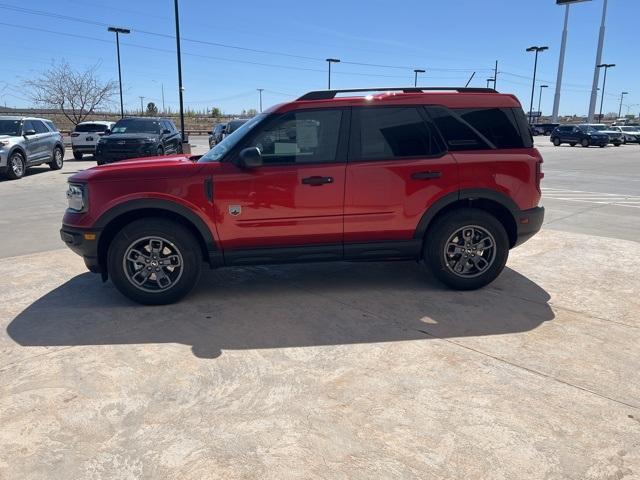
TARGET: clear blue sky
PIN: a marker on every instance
(450, 39)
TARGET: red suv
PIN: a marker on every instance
(444, 175)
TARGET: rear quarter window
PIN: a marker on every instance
(498, 125)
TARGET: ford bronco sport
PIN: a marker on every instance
(444, 175)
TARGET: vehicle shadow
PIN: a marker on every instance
(31, 171)
(285, 306)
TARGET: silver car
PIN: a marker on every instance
(26, 142)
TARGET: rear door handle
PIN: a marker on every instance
(425, 175)
(317, 180)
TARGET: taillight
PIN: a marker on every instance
(539, 174)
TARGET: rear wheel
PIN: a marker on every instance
(573, 144)
(466, 249)
(58, 159)
(154, 261)
(556, 142)
(617, 144)
(585, 142)
(16, 166)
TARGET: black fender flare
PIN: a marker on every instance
(160, 204)
(466, 194)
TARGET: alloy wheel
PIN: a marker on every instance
(153, 264)
(470, 251)
(17, 165)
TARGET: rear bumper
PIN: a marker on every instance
(84, 242)
(528, 223)
(84, 148)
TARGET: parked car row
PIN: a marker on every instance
(589, 135)
(222, 130)
(26, 142)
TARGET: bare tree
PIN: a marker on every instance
(77, 94)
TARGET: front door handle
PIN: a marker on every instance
(425, 175)
(316, 181)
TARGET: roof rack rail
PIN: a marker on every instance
(329, 94)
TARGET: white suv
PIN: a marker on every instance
(84, 137)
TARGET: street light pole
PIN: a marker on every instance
(535, 70)
(606, 67)
(596, 73)
(118, 31)
(540, 100)
(141, 106)
(416, 71)
(260, 91)
(621, 99)
(180, 88)
(330, 61)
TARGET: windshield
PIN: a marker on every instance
(233, 125)
(629, 129)
(10, 127)
(230, 141)
(90, 127)
(597, 128)
(136, 126)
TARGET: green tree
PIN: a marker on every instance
(216, 112)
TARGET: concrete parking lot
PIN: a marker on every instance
(346, 370)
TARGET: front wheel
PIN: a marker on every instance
(58, 159)
(154, 261)
(617, 144)
(556, 142)
(160, 152)
(16, 166)
(585, 142)
(466, 249)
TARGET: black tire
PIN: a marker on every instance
(179, 148)
(572, 144)
(180, 243)
(557, 142)
(58, 159)
(100, 161)
(77, 155)
(602, 146)
(617, 144)
(442, 262)
(20, 166)
(160, 152)
(585, 142)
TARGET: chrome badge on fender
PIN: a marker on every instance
(235, 210)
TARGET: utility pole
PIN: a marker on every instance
(621, 98)
(596, 73)
(162, 86)
(415, 77)
(118, 31)
(330, 61)
(495, 77)
(260, 90)
(180, 88)
(606, 67)
(141, 106)
(535, 69)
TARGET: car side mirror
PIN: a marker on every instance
(249, 158)
(29, 132)
(166, 131)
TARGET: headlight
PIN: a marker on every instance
(4, 143)
(76, 197)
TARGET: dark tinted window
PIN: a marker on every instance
(28, 125)
(498, 125)
(300, 137)
(51, 126)
(457, 133)
(134, 125)
(388, 133)
(90, 127)
(39, 126)
(233, 125)
(10, 127)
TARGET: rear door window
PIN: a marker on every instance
(388, 133)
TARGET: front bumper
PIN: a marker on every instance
(84, 242)
(528, 223)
